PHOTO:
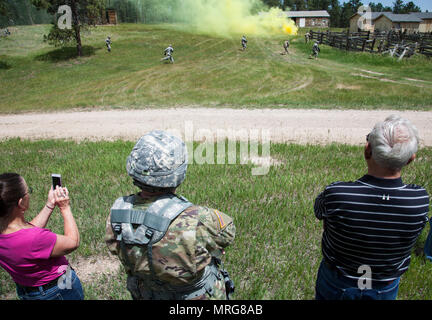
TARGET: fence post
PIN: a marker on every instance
(373, 44)
(381, 45)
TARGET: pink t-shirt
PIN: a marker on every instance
(25, 255)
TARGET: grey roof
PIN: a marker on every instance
(411, 17)
(422, 15)
(308, 14)
(375, 15)
(402, 17)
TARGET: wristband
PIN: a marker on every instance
(49, 207)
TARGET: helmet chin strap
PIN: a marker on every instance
(152, 189)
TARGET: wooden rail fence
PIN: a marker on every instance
(395, 43)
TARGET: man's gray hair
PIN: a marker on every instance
(393, 142)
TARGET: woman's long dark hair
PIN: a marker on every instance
(12, 189)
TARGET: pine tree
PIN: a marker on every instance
(299, 5)
(335, 13)
(398, 6)
(3, 8)
(411, 7)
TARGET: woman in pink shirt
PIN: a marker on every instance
(32, 255)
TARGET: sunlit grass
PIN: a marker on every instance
(208, 71)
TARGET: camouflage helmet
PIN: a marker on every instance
(158, 159)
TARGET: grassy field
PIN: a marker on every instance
(209, 71)
(277, 249)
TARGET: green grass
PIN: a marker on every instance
(209, 72)
(277, 249)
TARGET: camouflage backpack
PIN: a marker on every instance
(153, 224)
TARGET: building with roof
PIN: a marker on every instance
(366, 26)
(390, 21)
(426, 24)
(386, 21)
(309, 19)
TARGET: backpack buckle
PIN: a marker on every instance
(118, 230)
(149, 234)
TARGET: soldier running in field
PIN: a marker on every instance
(168, 54)
(243, 43)
(286, 45)
(315, 50)
(108, 43)
(5, 33)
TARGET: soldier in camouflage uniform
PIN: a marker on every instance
(244, 42)
(168, 52)
(186, 262)
(315, 50)
(108, 43)
(286, 45)
(307, 37)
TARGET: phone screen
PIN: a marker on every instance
(56, 180)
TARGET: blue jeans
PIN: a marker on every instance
(428, 244)
(73, 291)
(330, 285)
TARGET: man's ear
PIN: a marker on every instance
(411, 159)
(368, 151)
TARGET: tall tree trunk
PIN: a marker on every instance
(76, 26)
(28, 9)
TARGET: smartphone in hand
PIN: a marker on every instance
(56, 180)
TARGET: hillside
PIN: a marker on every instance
(208, 72)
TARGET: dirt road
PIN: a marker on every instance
(283, 125)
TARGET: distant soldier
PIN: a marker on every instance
(168, 54)
(108, 43)
(315, 50)
(171, 249)
(5, 32)
(307, 37)
(286, 45)
(243, 42)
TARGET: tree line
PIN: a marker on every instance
(23, 12)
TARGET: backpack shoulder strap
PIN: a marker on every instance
(153, 223)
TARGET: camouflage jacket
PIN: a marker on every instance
(196, 235)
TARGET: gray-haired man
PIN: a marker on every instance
(372, 224)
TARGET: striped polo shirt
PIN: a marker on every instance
(373, 222)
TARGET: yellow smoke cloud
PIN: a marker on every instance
(232, 17)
